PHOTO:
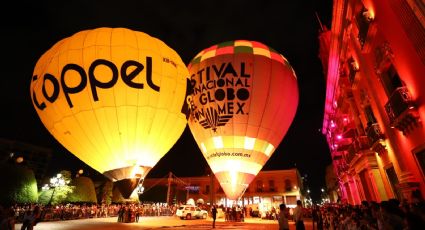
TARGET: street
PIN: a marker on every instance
(164, 222)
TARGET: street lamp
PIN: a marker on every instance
(140, 189)
(55, 182)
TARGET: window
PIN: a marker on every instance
(420, 158)
(271, 186)
(259, 186)
(390, 80)
(288, 185)
(367, 186)
(369, 114)
(392, 177)
(207, 189)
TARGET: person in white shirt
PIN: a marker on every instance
(282, 219)
(298, 216)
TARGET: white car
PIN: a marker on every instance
(191, 211)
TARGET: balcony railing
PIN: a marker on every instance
(359, 144)
(374, 133)
(401, 111)
(399, 102)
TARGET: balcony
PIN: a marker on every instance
(401, 110)
(337, 155)
(383, 57)
(341, 169)
(353, 68)
(360, 144)
(376, 138)
(374, 133)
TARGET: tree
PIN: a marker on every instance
(57, 194)
(104, 193)
(84, 190)
(18, 184)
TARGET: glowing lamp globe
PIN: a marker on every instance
(114, 98)
(19, 160)
(245, 96)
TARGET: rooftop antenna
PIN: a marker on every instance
(320, 22)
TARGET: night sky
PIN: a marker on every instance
(290, 27)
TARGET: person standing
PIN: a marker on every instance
(136, 209)
(31, 219)
(315, 216)
(28, 219)
(214, 214)
(8, 223)
(282, 219)
(298, 216)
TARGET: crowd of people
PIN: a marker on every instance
(391, 214)
(30, 215)
(234, 214)
(386, 215)
(132, 212)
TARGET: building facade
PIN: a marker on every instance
(267, 190)
(375, 98)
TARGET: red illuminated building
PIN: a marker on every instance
(375, 98)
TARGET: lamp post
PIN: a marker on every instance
(55, 182)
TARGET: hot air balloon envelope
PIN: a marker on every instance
(114, 98)
(244, 99)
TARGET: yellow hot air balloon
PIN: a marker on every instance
(245, 96)
(114, 98)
